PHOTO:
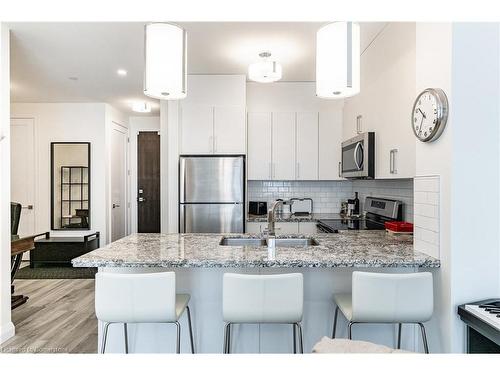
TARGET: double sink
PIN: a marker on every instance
(279, 242)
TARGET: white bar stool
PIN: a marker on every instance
(251, 299)
(387, 298)
(140, 298)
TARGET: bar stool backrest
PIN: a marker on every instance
(392, 298)
(135, 298)
(263, 298)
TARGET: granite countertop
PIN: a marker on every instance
(292, 218)
(344, 249)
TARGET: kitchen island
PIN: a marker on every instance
(200, 260)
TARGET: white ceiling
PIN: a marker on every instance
(45, 55)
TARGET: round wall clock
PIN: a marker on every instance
(429, 115)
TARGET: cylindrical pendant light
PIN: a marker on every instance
(165, 61)
(337, 60)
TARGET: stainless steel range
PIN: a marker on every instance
(377, 212)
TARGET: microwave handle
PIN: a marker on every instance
(358, 145)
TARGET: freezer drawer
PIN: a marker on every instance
(211, 218)
(211, 179)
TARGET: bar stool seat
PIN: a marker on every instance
(259, 299)
(387, 298)
(140, 298)
(344, 303)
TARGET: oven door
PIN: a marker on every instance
(358, 156)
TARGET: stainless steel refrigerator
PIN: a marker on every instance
(212, 194)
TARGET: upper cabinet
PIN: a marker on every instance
(259, 146)
(283, 146)
(212, 117)
(294, 145)
(307, 146)
(388, 89)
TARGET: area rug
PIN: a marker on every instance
(56, 273)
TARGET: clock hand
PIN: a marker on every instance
(423, 114)
(420, 127)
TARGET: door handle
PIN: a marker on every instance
(141, 199)
(392, 161)
(28, 207)
(358, 124)
(115, 205)
(358, 145)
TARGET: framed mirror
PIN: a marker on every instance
(70, 185)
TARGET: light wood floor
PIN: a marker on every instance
(58, 318)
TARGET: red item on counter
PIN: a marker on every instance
(399, 226)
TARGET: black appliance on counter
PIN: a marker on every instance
(257, 208)
(483, 325)
(377, 212)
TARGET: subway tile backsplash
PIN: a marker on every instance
(328, 195)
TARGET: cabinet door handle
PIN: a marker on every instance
(392, 161)
(358, 124)
(340, 169)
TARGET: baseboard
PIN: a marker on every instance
(6, 332)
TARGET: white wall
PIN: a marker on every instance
(433, 69)
(59, 122)
(137, 124)
(475, 247)
(463, 59)
(6, 326)
(288, 96)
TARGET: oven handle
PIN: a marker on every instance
(358, 145)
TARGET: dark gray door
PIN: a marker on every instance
(148, 182)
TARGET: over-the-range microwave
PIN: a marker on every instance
(358, 156)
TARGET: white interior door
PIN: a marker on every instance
(283, 146)
(118, 182)
(307, 146)
(23, 172)
(259, 146)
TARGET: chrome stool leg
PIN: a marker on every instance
(104, 337)
(178, 342)
(301, 338)
(294, 338)
(335, 321)
(400, 325)
(424, 338)
(125, 334)
(349, 330)
(190, 329)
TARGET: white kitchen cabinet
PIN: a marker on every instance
(388, 88)
(330, 136)
(283, 146)
(229, 130)
(259, 146)
(196, 129)
(307, 146)
(308, 227)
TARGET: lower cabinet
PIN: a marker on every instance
(283, 227)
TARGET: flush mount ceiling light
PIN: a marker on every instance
(266, 70)
(142, 107)
(165, 61)
(337, 60)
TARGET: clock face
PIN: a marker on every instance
(429, 114)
